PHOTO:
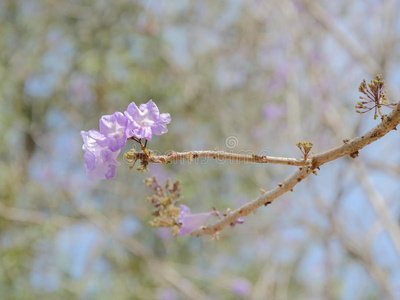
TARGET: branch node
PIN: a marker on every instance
(354, 154)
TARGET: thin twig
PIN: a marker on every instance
(222, 155)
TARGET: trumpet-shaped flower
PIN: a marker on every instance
(115, 131)
(100, 162)
(191, 222)
(146, 120)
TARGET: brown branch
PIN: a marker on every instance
(350, 147)
(222, 155)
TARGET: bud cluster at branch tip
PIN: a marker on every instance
(305, 148)
(375, 95)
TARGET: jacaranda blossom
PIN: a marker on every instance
(192, 222)
(115, 130)
(102, 147)
(100, 162)
(146, 120)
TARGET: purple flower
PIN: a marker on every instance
(274, 111)
(115, 131)
(192, 222)
(167, 294)
(241, 287)
(100, 162)
(146, 120)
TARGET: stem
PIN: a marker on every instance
(222, 155)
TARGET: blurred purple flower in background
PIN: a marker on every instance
(81, 88)
(274, 111)
(241, 287)
(280, 77)
(191, 222)
(167, 294)
(146, 120)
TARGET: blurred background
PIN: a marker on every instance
(255, 76)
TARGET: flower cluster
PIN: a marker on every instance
(102, 147)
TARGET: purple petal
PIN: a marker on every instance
(148, 133)
(90, 160)
(100, 162)
(191, 222)
(112, 171)
(152, 108)
(165, 118)
(91, 138)
(117, 144)
(94, 134)
(184, 211)
(143, 132)
(132, 110)
(159, 129)
(114, 128)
